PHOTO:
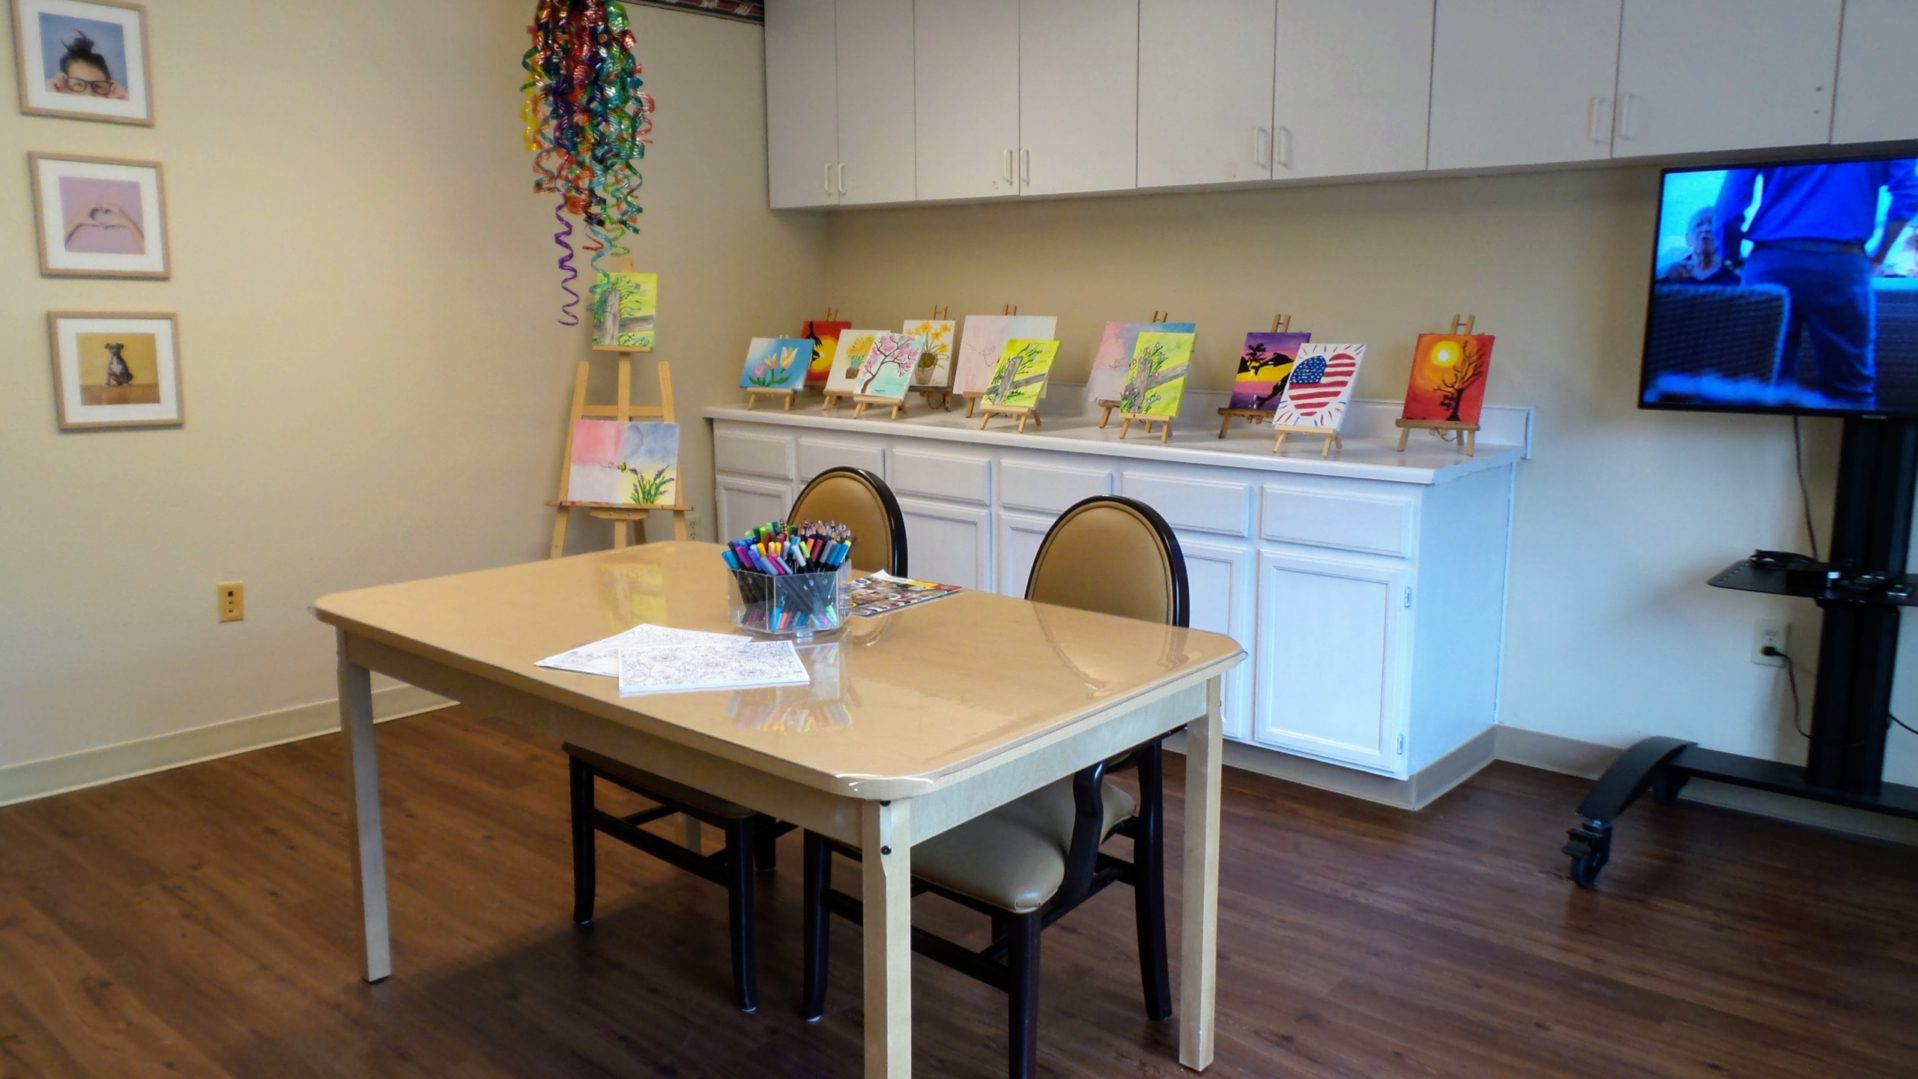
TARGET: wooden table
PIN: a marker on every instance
(949, 709)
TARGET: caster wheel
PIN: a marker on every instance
(1589, 849)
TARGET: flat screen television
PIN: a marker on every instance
(1789, 287)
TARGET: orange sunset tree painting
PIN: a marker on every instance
(1448, 377)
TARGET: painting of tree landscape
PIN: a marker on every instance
(889, 365)
(1019, 378)
(1155, 381)
(1113, 358)
(1448, 377)
(1263, 366)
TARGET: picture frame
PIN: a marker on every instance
(100, 216)
(115, 369)
(83, 60)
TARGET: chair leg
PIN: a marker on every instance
(817, 924)
(1148, 885)
(1022, 997)
(739, 910)
(765, 846)
(581, 776)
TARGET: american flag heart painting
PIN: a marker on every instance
(1319, 385)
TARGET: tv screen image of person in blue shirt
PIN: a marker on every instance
(1821, 232)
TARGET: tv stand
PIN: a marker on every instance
(1860, 589)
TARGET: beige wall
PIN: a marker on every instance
(1621, 515)
(374, 384)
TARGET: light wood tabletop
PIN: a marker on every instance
(942, 711)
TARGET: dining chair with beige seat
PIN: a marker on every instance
(1031, 861)
(849, 496)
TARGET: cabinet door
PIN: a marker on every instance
(1329, 669)
(745, 502)
(1875, 74)
(966, 98)
(1523, 82)
(1220, 579)
(1205, 91)
(1020, 535)
(1078, 96)
(1725, 75)
(949, 543)
(874, 47)
(802, 105)
(1353, 88)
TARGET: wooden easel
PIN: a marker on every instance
(973, 399)
(622, 410)
(1146, 424)
(1280, 324)
(941, 396)
(1106, 407)
(1465, 434)
(754, 393)
(1330, 436)
(1022, 412)
(863, 401)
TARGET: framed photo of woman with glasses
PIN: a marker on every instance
(83, 59)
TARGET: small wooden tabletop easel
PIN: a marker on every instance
(1021, 412)
(972, 398)
(1106, 407)
(1330, 436)
(1146, 424)
(1281, 323)
(1465, 434)
(622, 410)
(862, 401)
(941, 396)
(754, 393)
(829, 398)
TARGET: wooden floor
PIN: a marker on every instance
(199, 921)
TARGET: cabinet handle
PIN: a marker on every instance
(1025, 168)
(1261, 147)
(1626, 128)
(825, 172)
(1282, 148)
(1010, 178)
(842, 179)
(1597, 123)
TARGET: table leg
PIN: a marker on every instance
(1199, 919)
(364, 835)
(886, 865)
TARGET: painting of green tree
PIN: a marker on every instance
(1155, 381)
(1019, 378)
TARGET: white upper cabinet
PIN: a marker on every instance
(1078, 96)
(967, 99)
(1523, 82)
(874, 42)
(1698, 75)
(1353, 87)
(1205, 91)
(1877, 72)
(802, 117)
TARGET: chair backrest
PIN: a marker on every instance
(1115, 555)
(862, 502)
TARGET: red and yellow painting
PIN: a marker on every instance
(1448, 377)
(825, 344)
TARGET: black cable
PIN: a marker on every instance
(1791, 676)
(1902, 723)
(1804, 493)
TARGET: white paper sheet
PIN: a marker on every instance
(680, 666)
(602, 657)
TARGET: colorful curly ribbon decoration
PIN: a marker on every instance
(587, 125)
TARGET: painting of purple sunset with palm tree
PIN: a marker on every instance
(1264, 366)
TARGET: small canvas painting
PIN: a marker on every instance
(889, 364)
(825, 345)
(1155, 382)
(1019, 378)
(776, 363)
(933, 369)
(1263, 366)
(849, 362)
(625, 305)
(624, 464)
(1112, 360)
(1448, 377)
(984, 341)
(1319, 386)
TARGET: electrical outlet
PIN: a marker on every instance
(230, 600)
(1771, 633)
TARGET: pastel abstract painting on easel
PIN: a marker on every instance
(625, 306)
(849, 361)
(985, 340)
(825, 343)
(1019, 378)
(1155, 382)
(1264, 364)
(933, 369)
(889, 364)
(1448, 377)
(1113, 358)
(776, 363)
(624, 464)
(1319, 386)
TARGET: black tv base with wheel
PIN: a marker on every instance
(1860, 589)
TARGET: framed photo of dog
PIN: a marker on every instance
(116, 369)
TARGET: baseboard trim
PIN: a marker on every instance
(92, 767)
(1414, 793)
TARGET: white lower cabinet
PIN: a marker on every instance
(1219, 576)
(1020, 535)
(949, 542)
(745, 501)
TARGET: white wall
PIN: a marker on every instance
(1621, 515)
(375, 386)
